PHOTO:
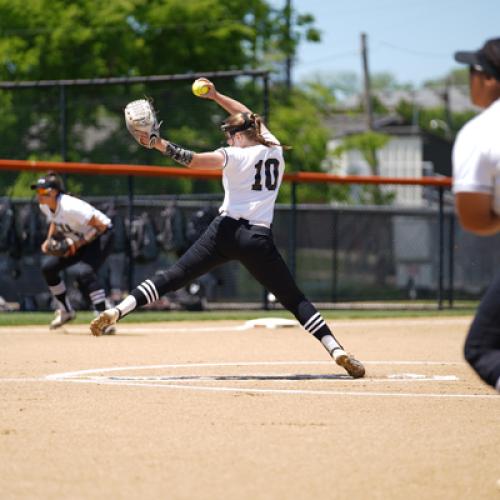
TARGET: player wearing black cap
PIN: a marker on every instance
(87, 234)
(476, 184)
(252, 171)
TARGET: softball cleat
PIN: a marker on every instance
(101, 325)
(350, 364)
(109, 330)
(61, 318)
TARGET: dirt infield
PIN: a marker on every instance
(211, 410)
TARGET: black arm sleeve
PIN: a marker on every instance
(179, 154)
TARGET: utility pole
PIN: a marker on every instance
(447, 108)
(288, 45)
(366, 74)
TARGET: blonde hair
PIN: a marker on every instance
(250, 125)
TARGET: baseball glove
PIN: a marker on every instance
(61, 247)
(141, 121)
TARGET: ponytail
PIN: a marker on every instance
(249, 124)
(259, 137)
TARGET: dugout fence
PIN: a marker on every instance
(337, 253)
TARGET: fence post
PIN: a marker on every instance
(451, 260)
(130, 216)
(293, 231)
(265, 79)
(63, 126)
(335, 257)
(441, 248)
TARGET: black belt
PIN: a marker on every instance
(246, 223)
(255, 227)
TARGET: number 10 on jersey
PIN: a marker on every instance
(271, 173)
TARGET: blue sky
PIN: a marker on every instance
(412, 39)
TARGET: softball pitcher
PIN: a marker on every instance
(252, 171)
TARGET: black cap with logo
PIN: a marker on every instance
(486, 59)
(51, 180)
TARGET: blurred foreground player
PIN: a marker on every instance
(253, 168)
(476, 184)
(78, 234)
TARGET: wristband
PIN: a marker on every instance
(179, 154)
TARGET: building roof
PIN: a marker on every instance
(458, 98)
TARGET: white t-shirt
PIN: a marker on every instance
(476, 155)
(251, 178)
(72, 216)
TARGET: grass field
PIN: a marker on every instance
(44, 318)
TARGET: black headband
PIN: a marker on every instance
(232, 129)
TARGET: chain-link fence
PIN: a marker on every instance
(339, 254)
(82, 121)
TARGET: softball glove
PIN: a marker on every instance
(61, 247)
(141, 121)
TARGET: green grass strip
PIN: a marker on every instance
(84, 317)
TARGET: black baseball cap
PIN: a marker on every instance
(486, 59)
(51, 180)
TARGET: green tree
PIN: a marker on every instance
(297, 121)
(435, 120)
(128, 38)
(457, 77)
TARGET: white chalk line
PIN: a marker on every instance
(64, 375)
(94, 376)
(98, 379)
(244, 363)
(289, 391)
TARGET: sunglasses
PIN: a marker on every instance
(43, 191)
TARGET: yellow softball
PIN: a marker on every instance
(200, 87)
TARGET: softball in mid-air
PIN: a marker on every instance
(200, 87)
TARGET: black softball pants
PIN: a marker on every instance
(482, 345)
(90, 257)
(229, 239)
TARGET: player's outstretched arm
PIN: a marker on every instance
(190, 159)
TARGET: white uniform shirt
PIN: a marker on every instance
(476, 155)
(251, 178)
(72, 216)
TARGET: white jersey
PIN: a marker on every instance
(72, 216)
(476, 155)
(251, 178)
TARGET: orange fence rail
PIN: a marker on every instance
(151, 171)
(296, 178)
